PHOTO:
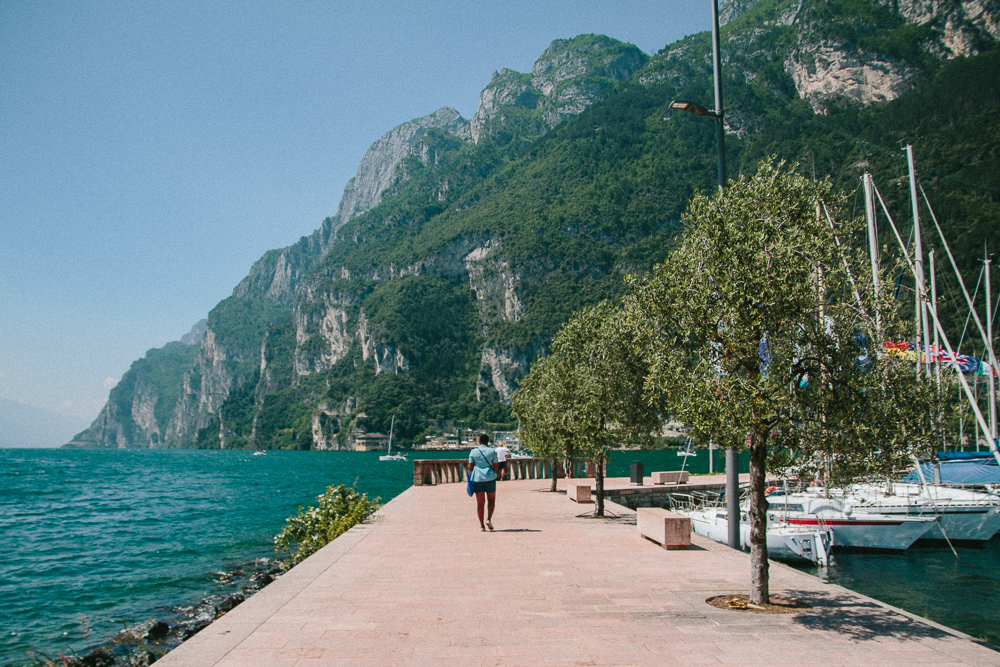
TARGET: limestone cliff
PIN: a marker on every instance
(878, 61)
(825, 71)
(278, 273)
(139, 407)
(567, 78)
(378, 169)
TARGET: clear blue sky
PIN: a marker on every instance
(151, 151)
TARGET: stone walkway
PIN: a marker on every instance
(422, 586)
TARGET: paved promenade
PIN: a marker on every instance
(422, 586)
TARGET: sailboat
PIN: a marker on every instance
(389, 456)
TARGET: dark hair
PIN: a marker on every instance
(484, 439)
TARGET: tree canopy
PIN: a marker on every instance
(759, 332)
(590, 391)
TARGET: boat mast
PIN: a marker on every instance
(392, 425)
(989, 346)
(937, 348)
(975, 398)
(872, 244)
(919, 273)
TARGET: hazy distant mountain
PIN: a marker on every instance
(25, 426)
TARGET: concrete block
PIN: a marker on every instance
(579, 492)
(664, 527)
(671, 477)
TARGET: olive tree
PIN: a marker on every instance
(760, 333)
(537, 404)
(593, 394)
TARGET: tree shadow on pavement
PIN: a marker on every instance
(860, 619)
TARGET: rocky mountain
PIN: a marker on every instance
(567, 78)
(461, 245)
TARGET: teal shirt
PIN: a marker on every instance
(482, 457)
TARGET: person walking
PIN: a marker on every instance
(503, 453)
(483, 473)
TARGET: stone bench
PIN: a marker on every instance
(671, 477)
(664, 527)
(579, 492)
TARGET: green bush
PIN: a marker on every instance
(339, 509)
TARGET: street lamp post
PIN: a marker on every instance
(720, 135)
(732, 457)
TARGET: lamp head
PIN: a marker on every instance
(696, 109)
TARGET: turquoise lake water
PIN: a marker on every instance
(120, 536)
(123, 537)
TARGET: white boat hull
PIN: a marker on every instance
(850, 529)
(955, 523)
(783, 542)
(962, 515)
(869, 531)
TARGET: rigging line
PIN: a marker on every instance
(899, 277)
(906, 253)
(982, 331)
(969, 316)
(854, 287)
(899, 281)
(854, 204)
(995, 308)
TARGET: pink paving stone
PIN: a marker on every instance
(420, 585)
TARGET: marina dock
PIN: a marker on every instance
(421, 585)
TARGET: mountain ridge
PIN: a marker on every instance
(508, 222)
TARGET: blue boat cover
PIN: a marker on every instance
(949, 456)
(965, 470)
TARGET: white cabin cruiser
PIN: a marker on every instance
(784, 542)
(858, 530)
(963, 514)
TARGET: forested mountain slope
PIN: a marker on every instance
(461, 246)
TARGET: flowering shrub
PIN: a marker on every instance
(339, 508)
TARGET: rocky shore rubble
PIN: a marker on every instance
(144, 643)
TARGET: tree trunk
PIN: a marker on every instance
(759, 577)
(555, 475)
(599, 476)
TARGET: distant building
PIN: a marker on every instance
(508, 438)
(469, 440)
(371, 442)
(674, 429)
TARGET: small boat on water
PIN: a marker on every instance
(389, 456)
(784, 542)
(857, 530)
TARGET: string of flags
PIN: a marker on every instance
(913, 352)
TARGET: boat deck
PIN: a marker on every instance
(420, 585)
